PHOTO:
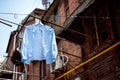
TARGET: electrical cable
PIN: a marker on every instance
(47, 22)
(103, 17)
(58, 25)
(12, 13)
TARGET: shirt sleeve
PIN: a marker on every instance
(24, 47)
(54, 46)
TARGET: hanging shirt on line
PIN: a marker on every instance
(39, 43)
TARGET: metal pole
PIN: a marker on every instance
(89, 60)
(14, 72)
(6, 23)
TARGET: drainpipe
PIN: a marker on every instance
(96, 31)
(89, 60)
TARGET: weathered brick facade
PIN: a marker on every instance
(83, 35)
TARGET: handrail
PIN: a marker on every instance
(89, 60)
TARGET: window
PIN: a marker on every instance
(98, 27)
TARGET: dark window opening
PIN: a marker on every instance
(73, 36)
(104, 35)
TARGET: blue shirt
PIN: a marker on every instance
(39, 43)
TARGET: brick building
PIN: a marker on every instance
(93, 26)
(84, 29)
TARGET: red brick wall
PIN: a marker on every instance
(73, 4)
(10, 50)
(62, 13)
(34, 68)
(71, 48)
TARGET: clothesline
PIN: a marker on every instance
(44, 21)
(22, 26)
(59, 26)
(103, 17)
(47, 22)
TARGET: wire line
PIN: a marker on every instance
(102, 17)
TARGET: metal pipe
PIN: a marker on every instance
(89, 60)
(6, 23)
(96, 31)
(16, 73)
(5, 79)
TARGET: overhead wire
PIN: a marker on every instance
(22, 26)
(9, 21)
(58, 25)
(56, 36)
(62, 26)
(12, 13)
(50, 23)
(44, 21)
(103, 17)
